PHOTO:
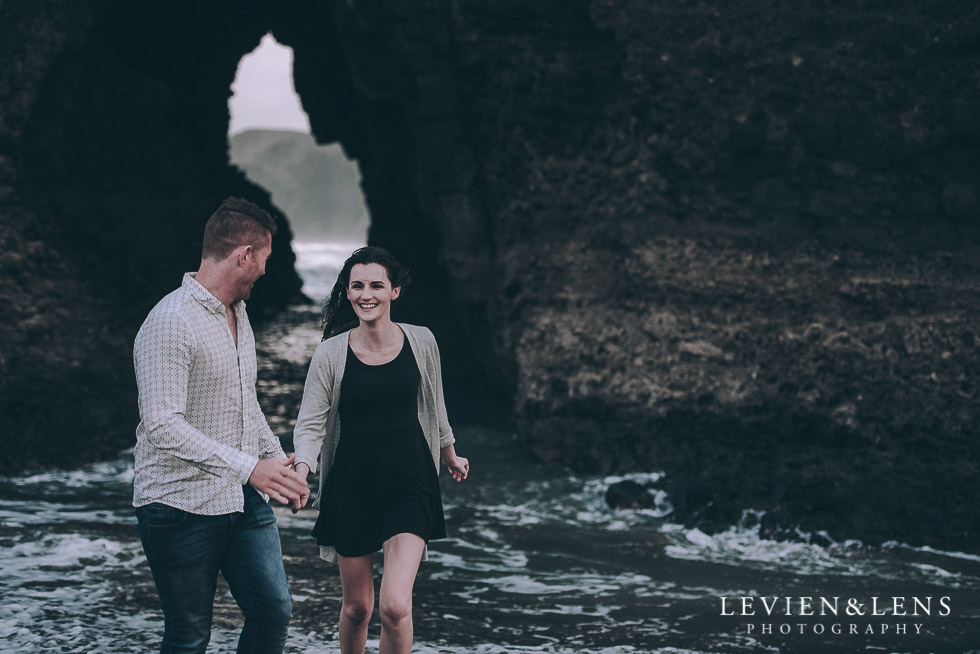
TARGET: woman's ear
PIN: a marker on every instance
(395, 292)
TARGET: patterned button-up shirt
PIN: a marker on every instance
(202, 430)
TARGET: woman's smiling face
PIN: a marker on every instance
(370, 292)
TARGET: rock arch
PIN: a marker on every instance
(113, 144)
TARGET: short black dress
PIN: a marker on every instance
(382, 481)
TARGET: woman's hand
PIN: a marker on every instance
(459, 467)
(303, 471)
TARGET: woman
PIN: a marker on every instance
(379, 486)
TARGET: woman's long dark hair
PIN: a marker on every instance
(338, 314)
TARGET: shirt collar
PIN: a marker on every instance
(203, 295)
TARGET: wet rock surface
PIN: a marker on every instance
(628, 494)
(832, 390)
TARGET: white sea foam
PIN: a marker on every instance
(743, 546)
(479, 557)
(17, 513)
(319, 263)
(63, 583)
(739, 545)
(119, 471)
(577, 501)
(307, 645)
(52, 552)
(522, 584)
(929, 550)
(323, 254)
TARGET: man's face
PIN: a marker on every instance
(255, 266)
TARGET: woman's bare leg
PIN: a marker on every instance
(403, 552)
(357, 583)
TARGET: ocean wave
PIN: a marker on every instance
(744, 546)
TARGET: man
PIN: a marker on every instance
(206, 459)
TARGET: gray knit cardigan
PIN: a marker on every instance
(317, 430)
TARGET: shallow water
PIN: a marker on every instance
(535, 562)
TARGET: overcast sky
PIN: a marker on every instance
(263, 95)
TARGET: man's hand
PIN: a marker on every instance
(277, 479)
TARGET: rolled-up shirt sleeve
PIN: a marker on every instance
(164, 354)
(269, 444)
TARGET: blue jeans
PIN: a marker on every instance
(185, 552)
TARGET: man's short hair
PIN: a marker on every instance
(236, 222)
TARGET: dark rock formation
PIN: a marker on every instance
(734, 241)
(628, 495)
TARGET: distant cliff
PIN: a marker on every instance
(735, 241)
(315, 185)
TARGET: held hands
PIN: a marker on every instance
(303, 471)
(277, 479)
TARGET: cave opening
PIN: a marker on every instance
(315, 186)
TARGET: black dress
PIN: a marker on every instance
(382, 481)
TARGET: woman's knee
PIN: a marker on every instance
(357, 610)
(395, 611)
